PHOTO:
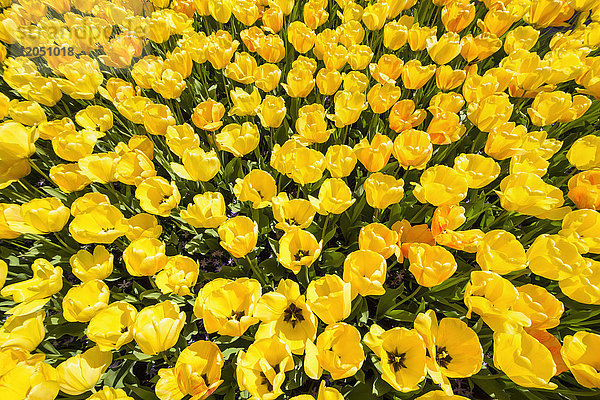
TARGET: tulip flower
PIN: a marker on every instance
(258, 186)
(329, 297)
(579, 352)
(298, 248)
(110, 328)
(207, 210)
(261, 368)
(197, 372)
(82, 302)
(157, 196)
(284, 314)
(157, 328)
(238, 235)
(454, 348)
(80, 373)
(178, 276)
(46, 281)
(228, 307)
(337, 350)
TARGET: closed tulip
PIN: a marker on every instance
(207, 115)
(145, 257)
(491, 112)
(340, 160)
(238, 235)
(329, 297)
(378, 238)
(445, 49)
(383, 190)
(539, 305)
(80, 373)
(441, 185)
(157, 328)
(272, 111)
(366, 272)
(415, 75)
(499, 251)
(238, 139)
(348, 107)
(479, 170)
(430, 265)
(83, 301)
(375, 155)
(334, 197)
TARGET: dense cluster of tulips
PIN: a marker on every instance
(279, 199)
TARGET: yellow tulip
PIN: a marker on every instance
(383, 190)
(375, 155)
(99, 224)
(24, 331)
(499, 251)
(329, 297)
(207, 115)
(340, 160)
(454, 348)
(284, 314)
(528, 194)
(83, 301)
(238, 235)
(334, 197)
(111, 327)
(198, 165)
(227, 306)
(430, 265)
(145, 257)
(157, 328)
(524, 360)
(178, 276)
(258, 186)
(80, 373)
(580, 353)
(207, 210)
(197, 372)
(157, 196)
(337, 350)
(366, 272)
(539, 305)
(46, 281)
(261, 368)
(238, 139)
(298, 248)
(402, 356)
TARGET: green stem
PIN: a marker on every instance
(259, 275)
